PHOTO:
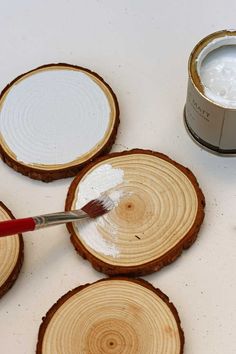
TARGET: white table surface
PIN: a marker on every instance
(141, 49)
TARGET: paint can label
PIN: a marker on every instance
(203, 118)
(210, 123)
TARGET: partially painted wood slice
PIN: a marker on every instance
(159, 210)
(11, 254)
(112, 316)
(55, 119)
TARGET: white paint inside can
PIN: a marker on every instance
(216, 66)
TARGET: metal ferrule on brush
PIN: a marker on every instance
(58, 218)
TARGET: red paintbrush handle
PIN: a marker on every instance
(12, 227)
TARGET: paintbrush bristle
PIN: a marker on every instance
(99, 206)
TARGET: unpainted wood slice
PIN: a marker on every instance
(112, 316)
(56, 118)
(11, 254)
(159, 210)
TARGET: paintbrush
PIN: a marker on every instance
(92, 209)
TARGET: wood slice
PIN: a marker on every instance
(112, 316)
(159, 210)
(11, 254)
(56, 118)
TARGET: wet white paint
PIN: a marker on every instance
(218, 75)
(216, 66)
(103, 179)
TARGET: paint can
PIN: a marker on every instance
(209, 123)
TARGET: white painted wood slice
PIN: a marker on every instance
(11, 254)
(112, 316)
(159, 210)
(56, 118)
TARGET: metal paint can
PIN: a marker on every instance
(210, 124)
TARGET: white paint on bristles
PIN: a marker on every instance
(102, 179)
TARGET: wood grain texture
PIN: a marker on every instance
(112, 316)
(159, 218)
(11, 254)
(54, 172)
